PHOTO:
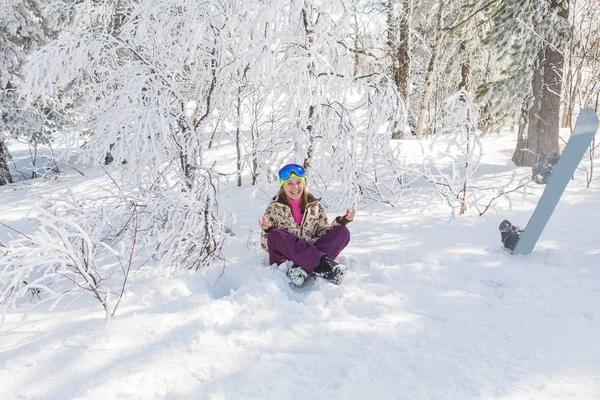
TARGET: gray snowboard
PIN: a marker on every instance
(585, 129)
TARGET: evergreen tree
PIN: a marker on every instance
(528, 39)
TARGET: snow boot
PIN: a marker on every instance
(297, 275)
(331, 270)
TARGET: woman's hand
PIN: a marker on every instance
(350, 214)
(264, 223)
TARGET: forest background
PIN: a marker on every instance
(141, 88)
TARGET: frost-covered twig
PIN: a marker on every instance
(461, 150)
(504, 191)
(15, 230)
(69, 255)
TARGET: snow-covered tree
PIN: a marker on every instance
(332, 116)
(582, 74)
(74, 253)
(24, 27)
(144, 90)
(456, 152)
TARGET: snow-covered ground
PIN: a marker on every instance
(431, 308)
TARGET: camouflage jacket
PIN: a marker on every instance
(314, 221)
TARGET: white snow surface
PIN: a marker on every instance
(431, 308)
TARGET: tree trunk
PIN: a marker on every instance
(465, 68)
(485, 118)
(429, 74)
(214, 132)
(356, 44)
(309, 32)
(238, 138)
(5, 177)
(468, 129)
(399, 46)
(311, 139)
(517, 157)
(544, 115)
(254, 136)
(572, 89)
(532, 128)
(565, 119)
(571, 69)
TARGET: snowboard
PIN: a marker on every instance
(522, 241)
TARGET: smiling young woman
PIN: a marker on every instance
(295, 227)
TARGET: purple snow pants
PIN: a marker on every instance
(286, 246)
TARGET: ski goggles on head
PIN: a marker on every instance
(286, 172)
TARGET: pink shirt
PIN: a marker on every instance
(296, 209)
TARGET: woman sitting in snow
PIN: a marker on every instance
(295, 228)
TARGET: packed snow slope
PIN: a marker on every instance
(431, 308)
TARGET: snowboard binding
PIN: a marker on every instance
(510, 234)
(541, 172)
